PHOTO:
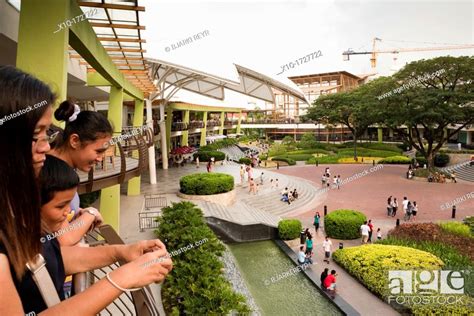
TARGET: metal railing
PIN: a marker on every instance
(152, 209)
(212, 123)
(139, 303)
(196, 124)
(179, 126)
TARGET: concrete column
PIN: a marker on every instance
(185, 136)
(221, 126)
(151, 150)
(169, 122)
(238, 123)
(134, 183)
(40, 51)
(110, 196)
(164, 145)
(203, 130)
(379, 134)
(469, 137)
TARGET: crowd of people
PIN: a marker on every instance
(39, 197)
(326, 179)
(410, 209)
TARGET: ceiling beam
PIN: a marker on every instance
(110, 6)
(121, 39)
(118, 26)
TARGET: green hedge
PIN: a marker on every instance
(457, 228)
(197, 276)
(245, 160)
(207, 154)
(289, 161)
(396, 160)
(289, 229)
(441, 160)
(227, 142)
(206, 183)
(375, 146)
(370, 263)
(469, 221)
(344, 224)
(365, 152)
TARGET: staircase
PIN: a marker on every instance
(463, 171)
(233, 152)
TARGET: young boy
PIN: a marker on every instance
(58, 183)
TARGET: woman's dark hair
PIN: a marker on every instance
(20, 224)
(89, 125)
(55, 176)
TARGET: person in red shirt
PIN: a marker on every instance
(330, 283)
(371, 226)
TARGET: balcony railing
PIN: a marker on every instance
(179, 126)
(213, 123)
(196, 124)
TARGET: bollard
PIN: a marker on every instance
(373, 162)
(341, 245)
(325, 210)
(453, 215)
(278, 165)
(317, 163)
(398, 222)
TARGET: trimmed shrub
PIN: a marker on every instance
(207, 154)
(456, 228)
(197, 276)
(289, 161)
(366, 152)
(245, 160)
(300, 157)
(289, 229)
(344, 224)
(469, 221)
(308, 151)
(441, 160)
(227, 142)
(396, 160)
(370, 263)
(206, 183)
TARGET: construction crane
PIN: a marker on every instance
(373, 59)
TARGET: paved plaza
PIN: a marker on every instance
(367, 194)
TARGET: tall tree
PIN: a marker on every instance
(347, 108)
(427, 97)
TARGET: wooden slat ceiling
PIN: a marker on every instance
(117, 26)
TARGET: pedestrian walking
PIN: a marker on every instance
(309, 245)
(276, 183)
(327, 245)
(453, 177)
(371, 226)
(394, 207)
(338, 181)
(364, 231)
(197, 161)
(409, 211)
(323, 180)
(261, 178)
(334, 182)
(272, 184)
(389, 206)
(414, 210)
(316, 221)
(242, 175)
(405, 207)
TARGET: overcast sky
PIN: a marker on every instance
(264, 35)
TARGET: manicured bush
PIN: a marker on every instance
(289, 229)
(396, 160)
(451, 257)
(289, 161)
(441, 160)
(344, 224)
(371, 264)
(469, 221)
(277, 150)
(375, 146)
(218, 144)
(207, 154)
(308, 151)
(434, 233)
(196, 284)
(366, 152)
(300, 157)
(245, 160)
(206, 183)
(457, 228)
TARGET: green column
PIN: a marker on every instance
(203, 130)
(379, 134)
(185, 136)
(110, 196)
(40, 51)
(169, 121)
(134, 183)
(221, 127)
(238, 123)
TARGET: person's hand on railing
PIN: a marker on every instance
(133, 251)
(152, 267)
